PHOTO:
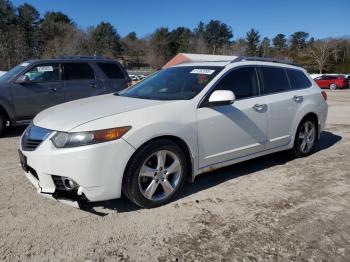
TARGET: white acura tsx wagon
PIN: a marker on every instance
(179, 122)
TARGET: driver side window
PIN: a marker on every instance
(242, 82)
(43, 73)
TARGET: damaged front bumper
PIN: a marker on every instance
(74, 198)
(77, 175)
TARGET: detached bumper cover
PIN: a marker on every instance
(98, 169)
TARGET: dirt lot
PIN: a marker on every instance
(272, 208)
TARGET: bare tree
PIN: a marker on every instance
(319, 51)
(69, 43)
(238, 47)
(199, 45)
(335, 50)
(264, 49)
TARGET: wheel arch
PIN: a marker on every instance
(178, 141)
(4, 112)
(313, 116)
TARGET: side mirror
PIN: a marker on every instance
(23, 79)
(221, 97)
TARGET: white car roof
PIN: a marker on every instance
(204, 63)
(233, 63)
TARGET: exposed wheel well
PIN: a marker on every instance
(4, 113)
(184, 147)
(314, 117)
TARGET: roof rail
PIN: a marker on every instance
(203, 61)
(82, 57)
(263, 59)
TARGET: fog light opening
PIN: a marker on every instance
(69, 183)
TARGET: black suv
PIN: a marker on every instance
(35, 85)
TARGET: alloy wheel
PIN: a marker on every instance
(160, 175)
(307, 136)
(333, 86)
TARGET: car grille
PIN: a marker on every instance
(33, 137)
(30, 144)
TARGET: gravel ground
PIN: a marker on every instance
(272, 208)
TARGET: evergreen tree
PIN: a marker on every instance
(298, 41)
(217, 35)
(252, 39)
(28, 20)
(280, 42)
(105, 40)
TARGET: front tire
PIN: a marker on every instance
(3, 121)
(305, 138)
(155, 174)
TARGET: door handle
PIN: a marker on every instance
(260, 107)
(298, 99)
(52, 89)
(93, 85)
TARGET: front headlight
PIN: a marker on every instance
(65, 140)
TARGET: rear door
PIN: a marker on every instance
(232, 131)
(283, 102)
(43, 88)
(80, 81)
(115, 78)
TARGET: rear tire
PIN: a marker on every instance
(305, 138)
(3, 121)
(155, 174)
(333, 86)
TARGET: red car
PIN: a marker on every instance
(332, 82)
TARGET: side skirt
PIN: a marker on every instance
(240, 159)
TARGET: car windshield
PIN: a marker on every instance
(13, 72)
(176, 83)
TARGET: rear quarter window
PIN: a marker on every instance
(274, 80)
(111, 70)
(298, 79)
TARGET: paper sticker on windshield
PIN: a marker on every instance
(25, 64)
(202, 71)
(45, 68)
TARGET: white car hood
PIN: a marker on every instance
(67, 116)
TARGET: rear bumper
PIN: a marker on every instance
(97, 169)
(322, 118)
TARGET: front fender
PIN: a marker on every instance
(176, 119)
(186, 132)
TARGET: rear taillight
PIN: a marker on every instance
(324, 94)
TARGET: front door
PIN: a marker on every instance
(237, 130)
(42, 88)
